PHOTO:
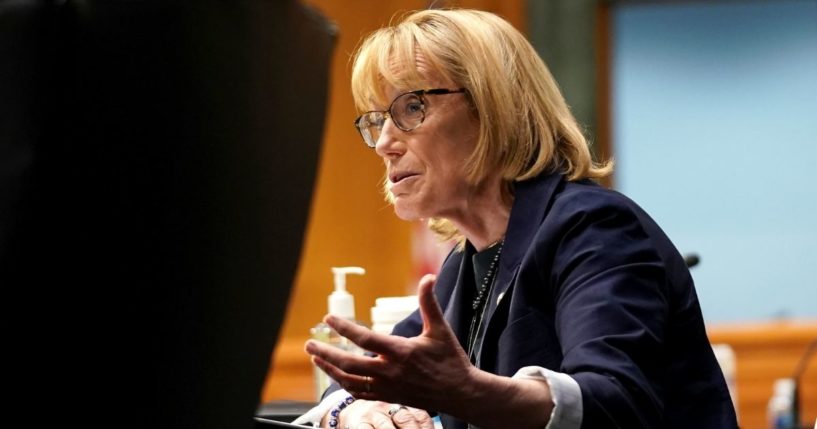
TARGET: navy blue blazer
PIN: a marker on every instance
(590, 286)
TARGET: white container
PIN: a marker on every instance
(388, 311)
(726, 359)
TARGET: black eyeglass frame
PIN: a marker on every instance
(388, 115)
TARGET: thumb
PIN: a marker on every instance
(432, 314)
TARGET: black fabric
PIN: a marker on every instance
(157, 160)
(481, 262)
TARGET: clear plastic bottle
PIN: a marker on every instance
(781, 405)
(323, 333)
(341, 303)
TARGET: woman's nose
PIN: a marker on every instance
(389, 144)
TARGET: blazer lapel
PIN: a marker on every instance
(532, 199)
(454, 307)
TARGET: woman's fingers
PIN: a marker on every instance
(411, 418)
(347, 361)
(403, 367)
(360, 386)
(365, 338)
(434, 323)
(367, 415)
(382, 421)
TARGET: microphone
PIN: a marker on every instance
(692, 259)
(798, 373)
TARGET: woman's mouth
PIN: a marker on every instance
(395, 178)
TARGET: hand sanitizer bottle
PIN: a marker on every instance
(342, 304)
(781, 405)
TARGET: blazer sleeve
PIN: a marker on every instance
(611, 309)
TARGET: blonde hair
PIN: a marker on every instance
(525, 125)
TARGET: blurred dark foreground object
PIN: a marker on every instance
(157, 161)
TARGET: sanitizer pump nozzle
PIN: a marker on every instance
(341, 302)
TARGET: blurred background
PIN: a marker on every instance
(708, 108)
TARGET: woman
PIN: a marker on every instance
(564, 305)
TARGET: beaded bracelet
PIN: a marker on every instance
(334, 413)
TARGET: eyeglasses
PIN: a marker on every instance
(407, 111)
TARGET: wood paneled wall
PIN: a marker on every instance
(765, 352)
(350, 222)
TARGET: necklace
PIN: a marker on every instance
(478, 305)
(486, 282)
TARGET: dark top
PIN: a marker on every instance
(484, 264)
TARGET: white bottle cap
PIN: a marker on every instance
(341, 302)
(784, 387)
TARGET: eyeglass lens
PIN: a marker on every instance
(407, 112)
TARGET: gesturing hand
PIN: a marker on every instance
(429, 371)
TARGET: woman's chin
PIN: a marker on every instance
(405, 211)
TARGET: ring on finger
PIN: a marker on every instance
(395, 408)
(368, 385)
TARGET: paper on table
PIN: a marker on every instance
(277, 424)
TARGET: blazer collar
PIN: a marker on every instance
(531, 201)
(532, 198)
(455, 305)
